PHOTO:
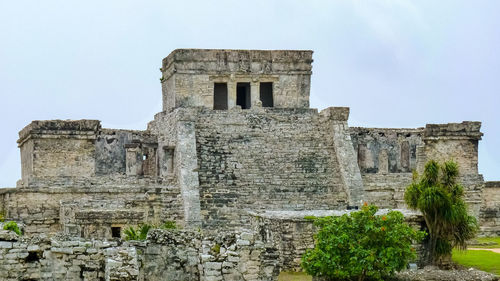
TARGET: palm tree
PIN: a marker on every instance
(440, 199)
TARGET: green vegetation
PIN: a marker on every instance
(480, 259)
(294, 276)
(2, 216)
(12, 226)
(361, 246)
(139, 233)
(215, 249)
(311, 218)
(440, 199)
(168, 225)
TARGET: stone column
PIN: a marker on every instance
(187, 167)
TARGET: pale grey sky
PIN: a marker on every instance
(395, 63)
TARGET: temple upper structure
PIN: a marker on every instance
(224, 79)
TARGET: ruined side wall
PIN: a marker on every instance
(490, 209)
(58, 149)
(42, 258)
(188, 76)
(181, 255)
(79, 150)
(40, 208)
(386, 150)
(166, 255)
(457, 141)
(110, 151)
(265, 159)
(386, 158)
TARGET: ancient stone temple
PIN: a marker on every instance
(236, 150)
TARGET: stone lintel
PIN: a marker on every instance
(464, 130)
(217, 61)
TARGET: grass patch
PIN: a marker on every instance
(480, 259)
(294, 276)
(488, 240)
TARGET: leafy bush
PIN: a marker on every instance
(2, 217)
(168, 225)
(361, 246)
(12, 226)
(440, 199)
(139, 233)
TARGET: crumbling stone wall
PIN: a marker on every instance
(457, 141)
(386, 158)
(490, 209)
(64, 258)
(181, 255)
(40, 208)
(75, 151)
(386, 150)
(265, 159)
(58, 149)
(166, 255)
(111, 152)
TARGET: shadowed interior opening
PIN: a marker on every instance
(243, 95)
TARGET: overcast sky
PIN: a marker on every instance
(395, 63)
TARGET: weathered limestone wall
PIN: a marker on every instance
(76, 151)
(386, 158)
(386, 150)
(111, 152)
(166, 255)
(40, 208)
(457, 141)
(188, 76)
(232, 256)
(58, 149)
(386, 190)
(63, 258)
(274, 159)
(490, 209)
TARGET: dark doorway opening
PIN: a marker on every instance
(243, 95)
(266, 94)
(116, 232)
(220, 96)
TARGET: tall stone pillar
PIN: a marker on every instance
(187, 167)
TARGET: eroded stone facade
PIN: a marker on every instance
(236, 139)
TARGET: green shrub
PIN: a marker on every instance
(361, 246)
(2, 216)
(439, 196)
(12, 226)
(139, 233)
(168, 225)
